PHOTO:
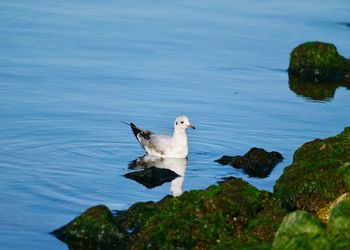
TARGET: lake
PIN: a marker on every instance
(71, 71)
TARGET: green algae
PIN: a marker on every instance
(339, 225)
(318, 62)
(319, 173)
(300, 230)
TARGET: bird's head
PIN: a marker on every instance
(182, 122)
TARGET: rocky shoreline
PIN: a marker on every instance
(308, 209)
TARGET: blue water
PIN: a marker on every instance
(71, 71)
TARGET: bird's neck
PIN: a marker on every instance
(180, 134)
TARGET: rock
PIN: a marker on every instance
(324, 213)
(233, 214)
(256, 162)
(230, 215)
(300, 230)
(320, 173)
(339, 225)
(132, 220)
(94, 229)
(318, 62)
(315, 91)
(153, 176)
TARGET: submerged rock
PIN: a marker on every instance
(94, 229)
(300, 230)
(257, 162)
(318, 62)
(320, 173)
(153, 176)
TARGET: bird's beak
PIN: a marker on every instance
(190, 126)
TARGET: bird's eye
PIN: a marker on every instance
(182, 122)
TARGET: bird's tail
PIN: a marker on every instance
(134, 129)
(126, 123)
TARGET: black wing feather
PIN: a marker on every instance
(143, 133)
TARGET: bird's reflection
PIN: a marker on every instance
(160, 171)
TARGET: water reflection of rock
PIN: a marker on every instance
(154, 171)
(315, 91)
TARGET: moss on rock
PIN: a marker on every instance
(300, 230)
(233, 213)
(94, 229)
(320, 172)
(318, 62)
(339, 225)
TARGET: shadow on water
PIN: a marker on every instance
(347, 24)
(315, 91)
(154, 171)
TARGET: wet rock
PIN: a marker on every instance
(230, 215)
(320, 173)
(256, 162)
(315, 91)
(339, 225)
(94, 229)
(318, 62)
(132, 220)
(152, 177)
(300, 230)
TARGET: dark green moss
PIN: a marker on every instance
(320, 172)
(132, 220)
(318, 62)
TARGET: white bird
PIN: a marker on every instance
(174, 146)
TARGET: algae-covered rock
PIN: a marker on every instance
(231, 214)
(339, 225)
(300, 230)
(318, 62)
(132, 220)
(257, 162)
(94, 229)
(320, 172)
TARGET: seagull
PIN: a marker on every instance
(174, 146)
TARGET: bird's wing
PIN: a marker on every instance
(159, 143)
(141, 134)
(151, 140)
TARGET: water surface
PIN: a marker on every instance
(70, 72)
